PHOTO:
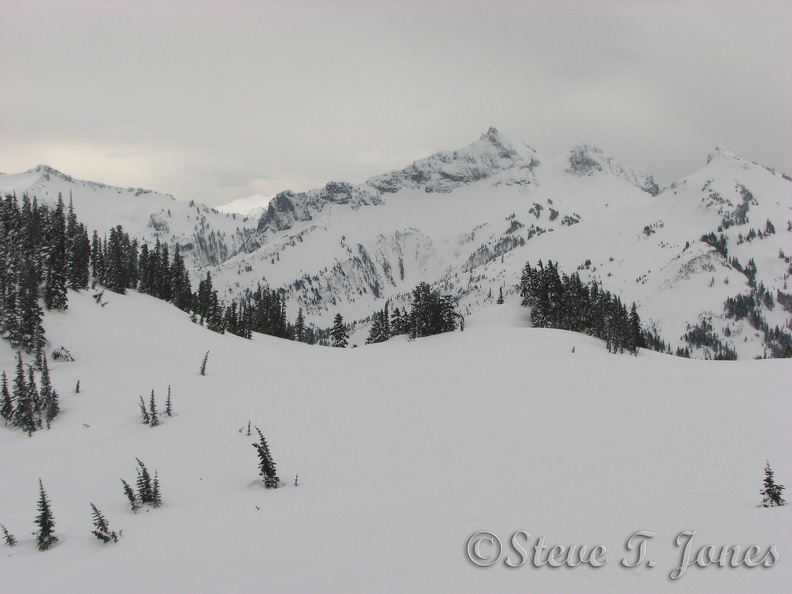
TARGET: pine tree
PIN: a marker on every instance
(49, 397)
(144, 415)
(299, 326)
(101, 529)
(771, 493)
(338, 333)
(203, 363)
(156, 498)
(6, 403)
(180, 281)
(34, 397)
(500, 296)
(168, 407)
(153, 418)
(130, 495)
(10, 539)
(55, 280)
(145, 487)
(45, 537)
(24, 413)
(266, 464)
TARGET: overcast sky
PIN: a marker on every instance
(215, 100)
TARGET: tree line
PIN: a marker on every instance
(560, 301)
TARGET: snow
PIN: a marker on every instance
(404, 450)
(252, 206)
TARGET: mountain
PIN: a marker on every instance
(205, 235)
(704, 258)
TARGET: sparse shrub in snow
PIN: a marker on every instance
(771, 493)
(62, 354)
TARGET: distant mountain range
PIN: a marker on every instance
(467, 221)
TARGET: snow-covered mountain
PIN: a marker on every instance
(204, 235)
(468, 220)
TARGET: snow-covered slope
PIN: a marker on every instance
(404, 450)
(250, 207)
(204, 235)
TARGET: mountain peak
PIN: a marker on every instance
(722, 152)
(586, 159)
(46, 171)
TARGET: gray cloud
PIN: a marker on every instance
(200, 98)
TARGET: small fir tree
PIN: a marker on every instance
(6, 403)
(49, 396)
(130, 495)
(101, 529)
(144, 415)
(500, 296)
(338, 333)
(145, 487)
(266, 464)
(156, 498)
(45, 537)
(203, 363)
(35, 398)
(154, 418)
(10, 539)
(771, 493)
(168, 406)
(77, 387)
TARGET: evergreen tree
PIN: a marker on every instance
(30, 332)
(78, 252)
(24, 413)
(6, 403)
(144, 415)
(203, 363)
(299, 326)
(45, 537)
(266, 464)
(180, 281)
(130, 495)
(145, 487)
(35, 398)
(49, 397)
(97, 259)
(156, 497)
(771, 493)
(153, 417)
(500, 296)
(55, 280)
(101, 529)
(168, 407)
(10, 539)
(339, 333)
